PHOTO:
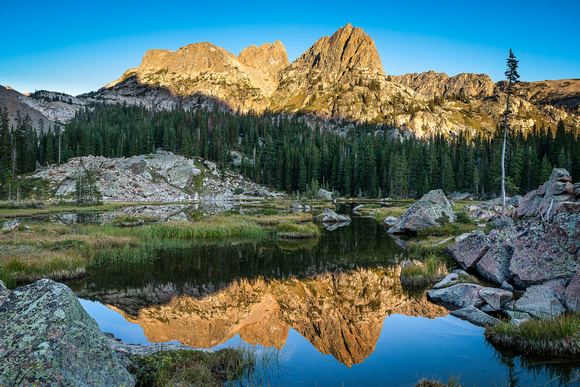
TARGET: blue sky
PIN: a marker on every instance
(78, 46)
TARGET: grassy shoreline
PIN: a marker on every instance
(64, 252)
(557, 338)
(185, 367)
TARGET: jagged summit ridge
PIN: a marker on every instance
(339, 79)
(348, 49)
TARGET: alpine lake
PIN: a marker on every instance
(324, 311)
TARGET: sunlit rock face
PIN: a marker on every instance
(341, 314)
(339, 80)
(242, 83)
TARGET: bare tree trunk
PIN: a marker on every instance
(503, 146)
(59, 142)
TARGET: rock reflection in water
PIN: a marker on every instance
(341, 314)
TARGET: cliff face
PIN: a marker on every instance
(341, 314)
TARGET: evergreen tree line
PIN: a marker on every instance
(288, 154)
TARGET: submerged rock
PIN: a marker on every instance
(432, 210)
(475, 316)
(460, 295)
(47, 338)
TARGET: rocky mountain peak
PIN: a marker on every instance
(269, 57)
(349, 48)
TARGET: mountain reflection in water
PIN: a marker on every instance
(339, 295)
(339, 313)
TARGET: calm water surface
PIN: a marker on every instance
(325, 312)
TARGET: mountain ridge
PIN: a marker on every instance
(340, 79)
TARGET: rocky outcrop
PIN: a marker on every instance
(158, 177)
(241, 83)
(432, 210)
(46, 338)
(431, 84)
(537, 253)
(269, 58)
(545, 201)
(559, 93)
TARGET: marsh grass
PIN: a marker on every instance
(287, 230)
(559, 337)
(216, 227)
(65, 251)
(420, 274)
(23, 267)
(382, 212)
(125, 220)
(197, 368)
(276, 219)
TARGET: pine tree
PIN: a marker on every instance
(512, 77)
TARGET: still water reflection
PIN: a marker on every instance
(333, 310)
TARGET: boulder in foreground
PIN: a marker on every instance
(46, 338)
